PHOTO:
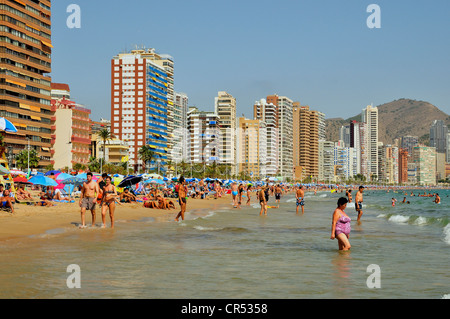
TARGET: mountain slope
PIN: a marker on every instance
(396, 119)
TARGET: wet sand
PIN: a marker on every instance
(30, 220)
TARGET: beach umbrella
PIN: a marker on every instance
(4, 170)
(7, 126)
(42, 180)
(71, 181)
(17, 172)
(21, 179)
(154, 181)
(50, 173)
(84, 176)
(129, 181)
(62, 176)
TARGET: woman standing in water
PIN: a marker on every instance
(341, 225)
(108, 202)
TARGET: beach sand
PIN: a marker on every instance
(30, 220)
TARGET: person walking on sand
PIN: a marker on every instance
(300, 195)
(108, 201)
(341, 225)
(358, 202)
(87, 199)
(181, 198)
(262, 201)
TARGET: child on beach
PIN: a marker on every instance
(341, 226)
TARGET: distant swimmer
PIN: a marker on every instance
(300, 195)
(359, 201)
(341, 225)
(437, 200)
(393, 202)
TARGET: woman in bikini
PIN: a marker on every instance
(341, 225)
(108, 201)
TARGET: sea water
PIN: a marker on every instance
(235, 253)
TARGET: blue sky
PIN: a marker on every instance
(320, 53)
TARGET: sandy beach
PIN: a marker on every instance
(30, 220)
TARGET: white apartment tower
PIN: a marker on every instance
(225, 108)
(370, 117)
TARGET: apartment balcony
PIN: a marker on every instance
(81, 140)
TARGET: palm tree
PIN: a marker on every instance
(146, 154)
(105, 136)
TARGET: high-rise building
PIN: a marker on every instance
(358, 141)
(225, 108)
(388, 164)
(180, 109)
(268, 113)
(438, 136)
(204, 136)
(139, 105)
(409, 142)
(285, 133)
(425, 161)
(326, 161)
(344, 158)
(252, 148)
(306, 141)
(344, 135)
(71, 140)
(25, 88)
(370, 117)
(403, 166)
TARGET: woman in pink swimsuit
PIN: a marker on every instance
(341, 225)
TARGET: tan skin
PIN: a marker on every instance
(262, 202)
(7, 198)
(89, 190)
(108, 202)
(343, 240)
(182, 201)
(300, 194)
(359, 199)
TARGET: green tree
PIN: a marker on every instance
(146, 155)
(105, 136)
(94, 164)
(22, 159)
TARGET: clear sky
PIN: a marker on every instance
(320, 53)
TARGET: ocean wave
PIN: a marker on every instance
(205, 228)
(399, 219)
(447, 234)
(447, 296)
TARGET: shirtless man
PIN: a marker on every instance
(88, 198)
(300, 195)
(181, 199)
(278, 193)
(127, 197)
(359, 201)
(437, 199)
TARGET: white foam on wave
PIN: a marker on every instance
(447, 234)
(381, 216)
(420, 221)
(205, 228)
(447, 296)
(399, 219)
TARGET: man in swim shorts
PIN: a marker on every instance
(88, 199)
(359, 201)
(300, 195)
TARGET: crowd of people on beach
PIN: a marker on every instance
(105, 194)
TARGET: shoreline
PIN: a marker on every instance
(30, 221)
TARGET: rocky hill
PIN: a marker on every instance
(396, 119)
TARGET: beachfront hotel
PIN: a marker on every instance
(179, 151)
(306, 141)
(225, 108)
(204, 140)
(71, 129)
(268, 113)
(139, 105)
(252, 148)
(285, 135)
(25, 44)
(425, 164)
